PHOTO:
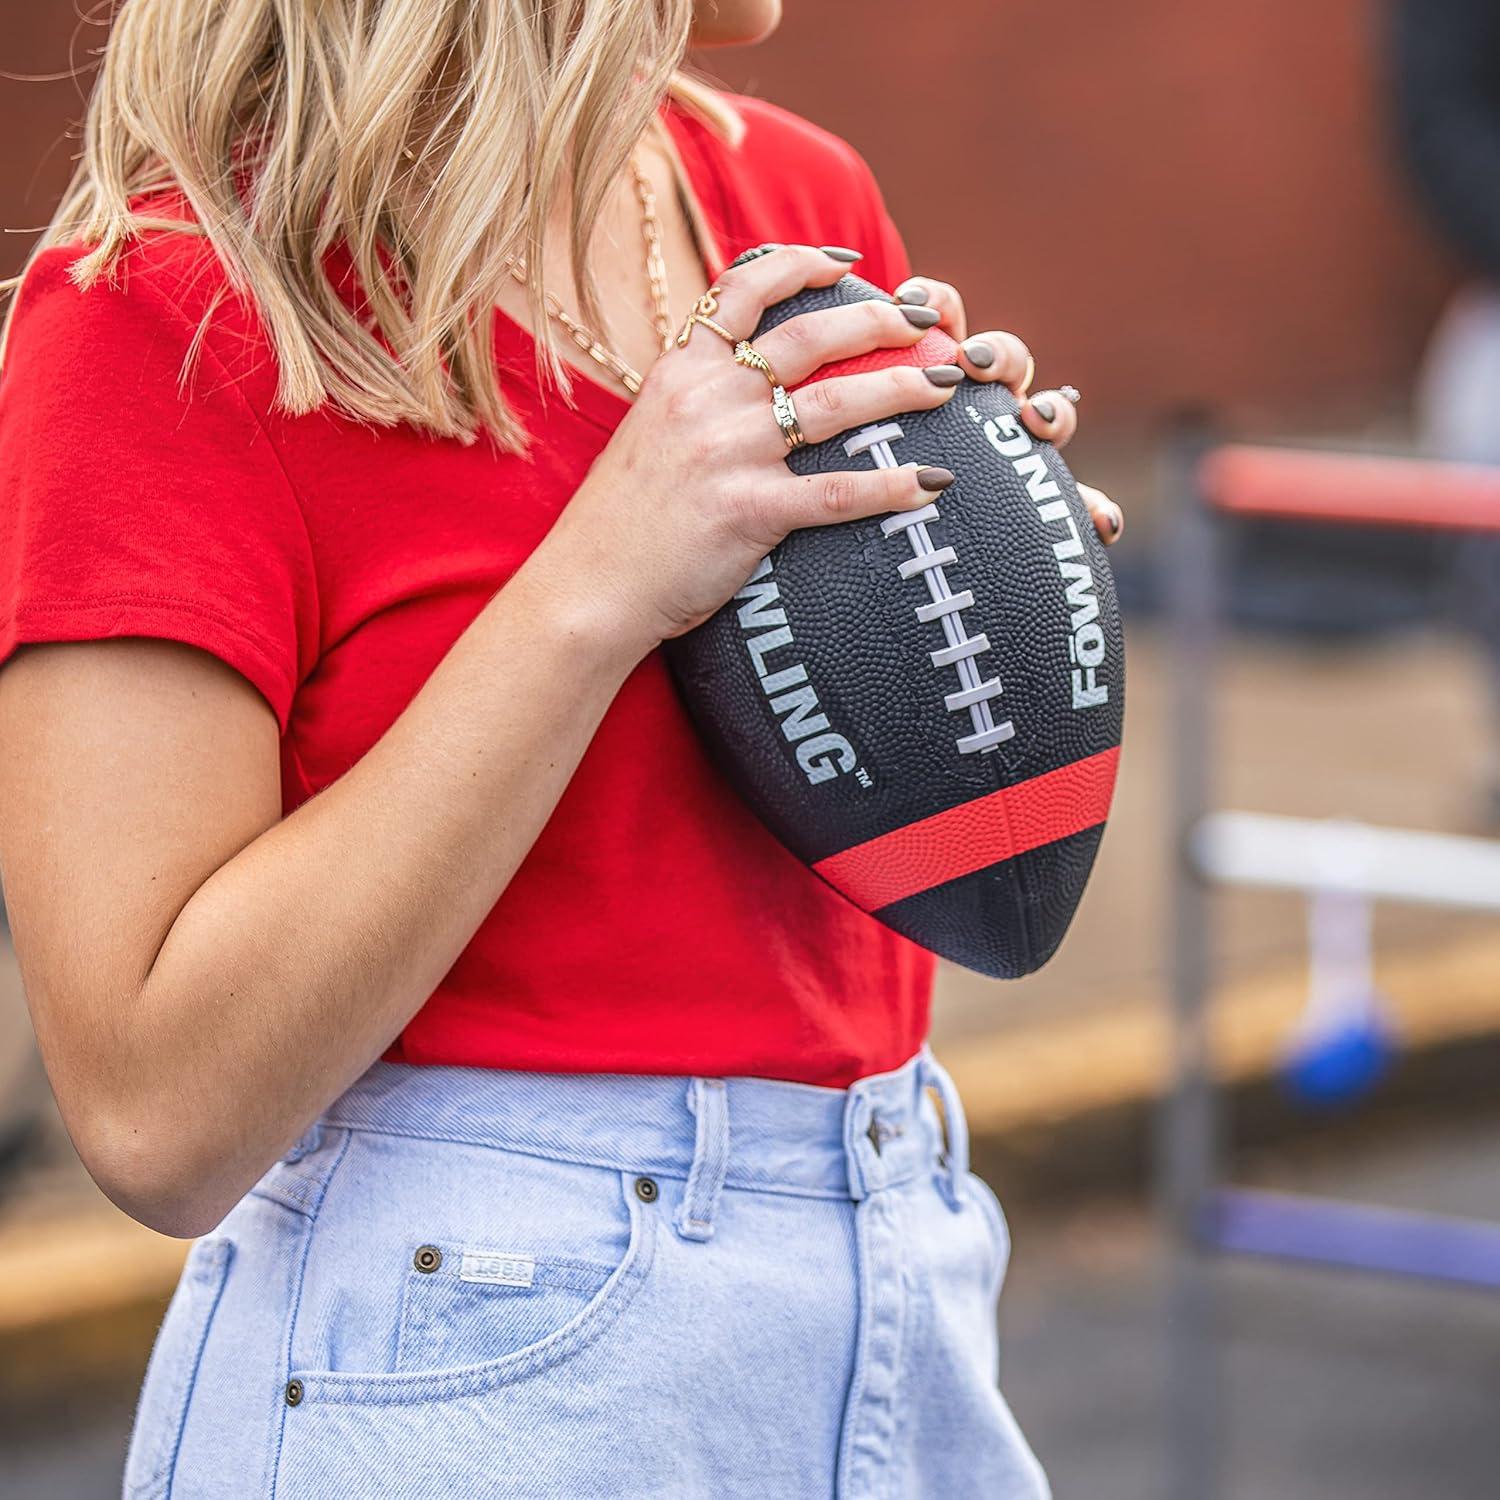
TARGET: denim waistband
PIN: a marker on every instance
(754, 1133)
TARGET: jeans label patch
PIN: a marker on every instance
(497, 1267)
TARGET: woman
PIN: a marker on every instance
(545, 1128)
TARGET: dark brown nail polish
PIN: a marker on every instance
(839, 252)
(944, 375)
(979, 353)
(1045, 410)
(915, 296)
(921, 317)
(934, 478)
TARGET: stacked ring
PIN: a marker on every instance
(745, 353)
(782, 406)
(785, 413)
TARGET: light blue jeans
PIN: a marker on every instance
(471, 1283)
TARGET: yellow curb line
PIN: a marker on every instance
(1052, 1072)
(89, 1261)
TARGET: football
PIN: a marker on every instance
(926, 708)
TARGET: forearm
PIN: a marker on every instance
(295, 964)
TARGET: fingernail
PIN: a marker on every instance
(934, 478)
(1045, 409)
(979, 353)
(838, 252)
(1116, 519)
(921, 317)
(913, 295)
(944, 375)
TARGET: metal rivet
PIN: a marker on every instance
(646, 1189)
(293, 1392)
(427, 1258)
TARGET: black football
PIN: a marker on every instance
(926, 708)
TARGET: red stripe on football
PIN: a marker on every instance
(975, 835)
(933, 348)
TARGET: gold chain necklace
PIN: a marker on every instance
(656, 272)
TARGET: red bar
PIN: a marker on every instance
(1359, 489)
(975, 835)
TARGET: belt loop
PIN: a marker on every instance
(309, 1140)
(863, 1169)
(708, 1100)
(955, 1157)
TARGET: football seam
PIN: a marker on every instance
(975, 693)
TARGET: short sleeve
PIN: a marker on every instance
(130, 506)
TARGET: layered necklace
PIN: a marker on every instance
(656, 272)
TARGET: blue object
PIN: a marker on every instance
(1332, 1067)
(1324, 1231)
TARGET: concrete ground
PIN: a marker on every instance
(1334, 1386)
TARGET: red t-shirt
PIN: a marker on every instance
(655, 926)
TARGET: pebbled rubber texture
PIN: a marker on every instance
(817, 692)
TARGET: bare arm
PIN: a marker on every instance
(204, 978)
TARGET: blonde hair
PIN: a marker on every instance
(434, 137)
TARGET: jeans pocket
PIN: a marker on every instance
(173, 1369)
(467, 1303)
(477, 1315)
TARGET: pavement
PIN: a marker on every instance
(1333, 1385)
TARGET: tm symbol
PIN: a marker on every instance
(863, 777)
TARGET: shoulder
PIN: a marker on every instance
(774, 132)
(791, 179)
(149, 303)
(148, 356)
(781, 143)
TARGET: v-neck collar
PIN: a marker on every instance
(591, 399)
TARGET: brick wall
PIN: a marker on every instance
(1175, 202)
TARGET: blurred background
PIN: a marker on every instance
(1273, 222)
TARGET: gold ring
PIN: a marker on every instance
(745, 353)
(1028, 377)
(706, 304)
(785, 413)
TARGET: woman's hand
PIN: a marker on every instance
(995, 355)
(692, 489)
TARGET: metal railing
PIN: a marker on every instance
(1345, 866)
